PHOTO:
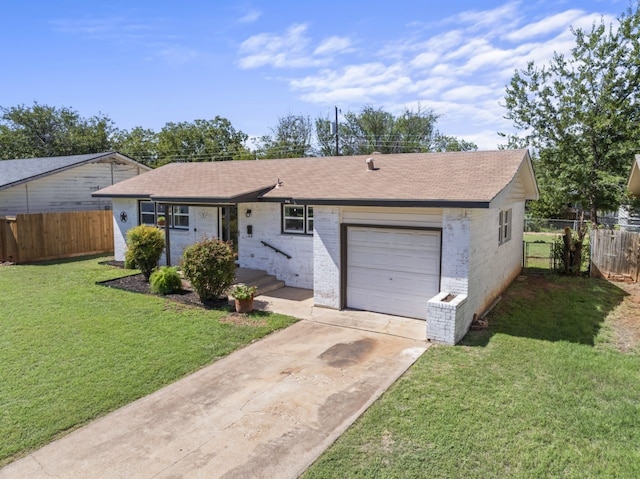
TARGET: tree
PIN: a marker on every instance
(451, 143)
(581, 115)
(373, 129)
(202, 140)
(291, 138)
(42, 131)
(140, 144)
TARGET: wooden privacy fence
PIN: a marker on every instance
(615, 254)
(28, 238)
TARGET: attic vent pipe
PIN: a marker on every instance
(370, 164)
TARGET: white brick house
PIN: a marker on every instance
(391, 233)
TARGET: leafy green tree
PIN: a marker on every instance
(291, 138)
(202, 140)
(373, 129)
(451, 143)
(141, 144)
(581, 115)
(42, 131)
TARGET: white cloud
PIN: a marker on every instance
(547, 25)
(426, 59)
(177, 55)
(293, 49)
(333, 45)
(458, 67)
(250, 17)
(466, 93)
(497, 20)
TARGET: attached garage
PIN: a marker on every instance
(392, 270)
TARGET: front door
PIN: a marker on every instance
(229, 225)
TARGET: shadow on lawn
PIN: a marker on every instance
(551, 308)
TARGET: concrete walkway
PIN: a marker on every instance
(268, 410)
(299, 303)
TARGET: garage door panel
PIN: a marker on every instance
(399, 305)
(392, 271)
(409, 239)
(406, 260)
(379, 280)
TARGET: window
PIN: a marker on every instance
(152, 213)
(297, 219)
(504, 226)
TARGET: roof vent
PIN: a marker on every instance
(370, 164)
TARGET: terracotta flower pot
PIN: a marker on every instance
(244, 305)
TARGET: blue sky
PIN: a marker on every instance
(147, 63)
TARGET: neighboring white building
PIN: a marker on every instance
(392, 233)
(61, 183)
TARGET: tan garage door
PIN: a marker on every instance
(392, 271)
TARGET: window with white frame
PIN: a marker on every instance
(504, 226)
(297, 219)
(153, 214)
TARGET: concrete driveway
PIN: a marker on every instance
(268, 410)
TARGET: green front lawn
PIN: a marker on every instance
(71, 350)
(545, 392)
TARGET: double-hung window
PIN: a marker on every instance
(153, 214)
(297, 219)
(504, 226)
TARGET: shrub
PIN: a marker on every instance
(145, 245)
(165, 280)
(129, 261)
(210, 266)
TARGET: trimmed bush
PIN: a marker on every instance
(165, 280)
(210, 267)
(144, 248)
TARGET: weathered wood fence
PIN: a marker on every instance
(27, 238)
(615, 254)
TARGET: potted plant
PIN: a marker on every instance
(244, 297)
(161, 220)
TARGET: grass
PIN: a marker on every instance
(72, 350)
(539, 251)
(543, 393)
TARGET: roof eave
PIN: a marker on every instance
(383, 202)
(245, 197)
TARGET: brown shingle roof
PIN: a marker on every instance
(456, 177)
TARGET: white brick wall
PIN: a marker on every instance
(455, 251)
(130, 208)
(492, 267)
(326, 256)
(266, 222)
(474, 264)
(203, 221)
(445, 319)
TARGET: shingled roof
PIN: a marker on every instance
(15, 172)
(412, 179)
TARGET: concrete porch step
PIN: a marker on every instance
(258, 278)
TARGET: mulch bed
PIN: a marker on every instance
(136, 283)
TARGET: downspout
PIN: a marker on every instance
(26, 192)
(167, 236)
